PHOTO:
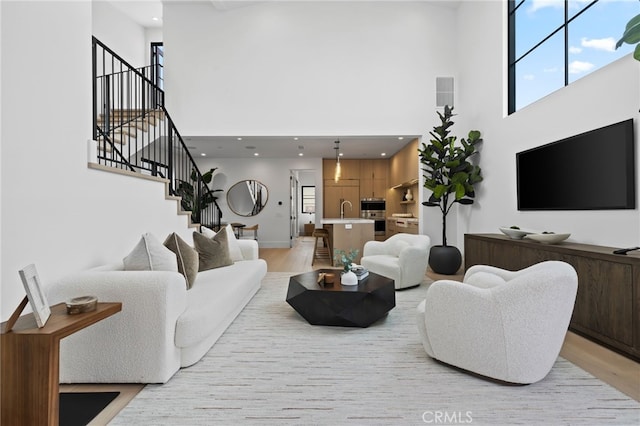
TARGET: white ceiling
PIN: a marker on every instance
(148, 13)
(288, 147)
(143, 12)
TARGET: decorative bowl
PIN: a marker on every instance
(548, 238)
(514, 234)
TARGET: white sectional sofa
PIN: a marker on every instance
(162, 326)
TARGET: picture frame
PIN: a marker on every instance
(35, 294)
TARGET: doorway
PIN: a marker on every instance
(302, 210)
(293, 206)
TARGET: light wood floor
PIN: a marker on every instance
(610, 367)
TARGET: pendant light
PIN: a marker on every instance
(336, 176)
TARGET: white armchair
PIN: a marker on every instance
(501, 324)
(401, 257)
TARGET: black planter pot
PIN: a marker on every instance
(445, 260)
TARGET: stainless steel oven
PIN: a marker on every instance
(372, 204)
(374, 208)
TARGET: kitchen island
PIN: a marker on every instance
(349, 233)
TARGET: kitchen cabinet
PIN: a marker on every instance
(374, 178)
(336, 193)
(401, 226)
(349, 169)
(391, 227)
(412, 228)
(404, 165)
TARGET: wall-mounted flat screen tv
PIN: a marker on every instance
(591, 171)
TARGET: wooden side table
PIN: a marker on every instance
(30, 363)
(308, 229)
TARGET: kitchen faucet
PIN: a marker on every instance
(342, 208)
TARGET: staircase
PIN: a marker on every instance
(133, 125)
(134, 133)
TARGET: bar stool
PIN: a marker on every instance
(324, 252)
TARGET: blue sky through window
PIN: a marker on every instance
(592, 39)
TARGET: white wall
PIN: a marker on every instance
(306, 68)
(120, 33)
(56, 212)
(152, 35)
(604, 97)
(273, 221)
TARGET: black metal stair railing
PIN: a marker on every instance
(135, 132)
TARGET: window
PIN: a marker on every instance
(308, 199)
(553, 43)
(157, 64)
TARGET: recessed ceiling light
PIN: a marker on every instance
(300, 154)
(400, 138)
(255, 154)
(239, 139)
(383, 154)
(341, 154)
(295, 139)
(202, 154)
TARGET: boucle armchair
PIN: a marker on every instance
(401, 257)
(505, 325)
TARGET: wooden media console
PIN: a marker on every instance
(607, 308)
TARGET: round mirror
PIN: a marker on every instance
(247, 197)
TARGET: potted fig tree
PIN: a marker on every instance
(451, 176)
(631, 36)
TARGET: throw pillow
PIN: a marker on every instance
(150, 255)
(186, 256)
(212, 252)
(234, 247)
(209, 233)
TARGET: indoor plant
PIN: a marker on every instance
(451, 177)
(346, 260)
(189, 193)
(631, 35)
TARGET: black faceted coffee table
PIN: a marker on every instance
(348, 306)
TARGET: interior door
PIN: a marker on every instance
(293, 207)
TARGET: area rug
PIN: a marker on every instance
(79, 408)
(271, 368)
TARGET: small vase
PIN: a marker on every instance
(348, 278)
(409, 195)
